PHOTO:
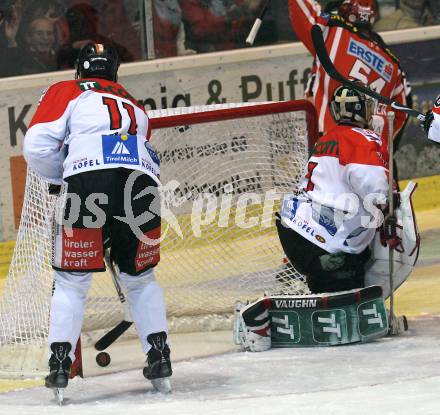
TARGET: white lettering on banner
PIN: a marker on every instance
(373, 59)
(333, 326)
(78, 244)
(147, 166)
(83, 263)
(85, 86)
(377, 317)
(76, 254)
(78, 165)
(303, 225)
(297, 303)
(84, 254)
(261, 76)
(283, 326)
(369, 135)
(120, 159)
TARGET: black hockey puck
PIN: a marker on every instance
(103, 359)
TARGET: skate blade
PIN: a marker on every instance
(162, 385)
(59, 395)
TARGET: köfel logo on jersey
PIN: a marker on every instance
(120, 149)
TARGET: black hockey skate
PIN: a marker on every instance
(158, 369)
(59, 366)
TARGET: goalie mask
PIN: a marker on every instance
(359, 12)
(96, 60)
(351, 106)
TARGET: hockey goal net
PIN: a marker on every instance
(224, 170)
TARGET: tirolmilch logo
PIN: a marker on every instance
(120, 147)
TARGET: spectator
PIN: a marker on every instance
(213, 25)
(205, 24)
(240, 16)
(10, 18)
(408, 14)
(39, 50)
(36, 53)
(83, 21)
(435, 11)
(52, 10)
(115, 23)
(169, 36)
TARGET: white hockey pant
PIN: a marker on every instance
(67, 307)
(144, 296)
(147, 305)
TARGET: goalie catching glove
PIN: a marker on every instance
(252, 326)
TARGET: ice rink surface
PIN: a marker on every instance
(395, 375)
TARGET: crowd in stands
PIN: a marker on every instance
(46, 35)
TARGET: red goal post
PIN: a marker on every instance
(229, 113)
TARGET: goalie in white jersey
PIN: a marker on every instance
(91, 136)
(326, 228)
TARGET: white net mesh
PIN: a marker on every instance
(225, 173)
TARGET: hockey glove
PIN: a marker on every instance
(389, 235)
(54, 189)
(429, 118)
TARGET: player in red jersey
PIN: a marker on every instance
(91, 136)
(326, 228)
(357, 52)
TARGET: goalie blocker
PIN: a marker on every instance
(311, 320)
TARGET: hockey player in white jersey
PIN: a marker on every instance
(431, 124)
(326, 228)
(91, 136)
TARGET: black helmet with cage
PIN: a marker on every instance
(96, 60)
(349, 106)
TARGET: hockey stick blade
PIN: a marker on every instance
(256, 26)
(110, 337)
(327, 64)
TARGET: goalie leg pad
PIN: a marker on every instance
(253, 326)
(312, 320)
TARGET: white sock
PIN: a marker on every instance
(67, 307)
(146, 303)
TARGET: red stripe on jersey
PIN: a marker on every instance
(54, 102)
(267, 303)
(133, 125)
(109, 87)
(359, 146)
